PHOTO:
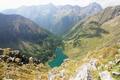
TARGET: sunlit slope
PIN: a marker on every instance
(94, 32)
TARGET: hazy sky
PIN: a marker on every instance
(7, 4)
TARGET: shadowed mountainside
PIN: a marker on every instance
(21, 33)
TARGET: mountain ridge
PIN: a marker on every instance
(93, 32)
(56, 19)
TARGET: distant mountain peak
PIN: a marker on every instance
(50, 4)
(95, 4)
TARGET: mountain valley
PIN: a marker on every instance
(60, 43)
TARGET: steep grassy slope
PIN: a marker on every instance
(25, 72)
(94, 32)
(21, 33)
